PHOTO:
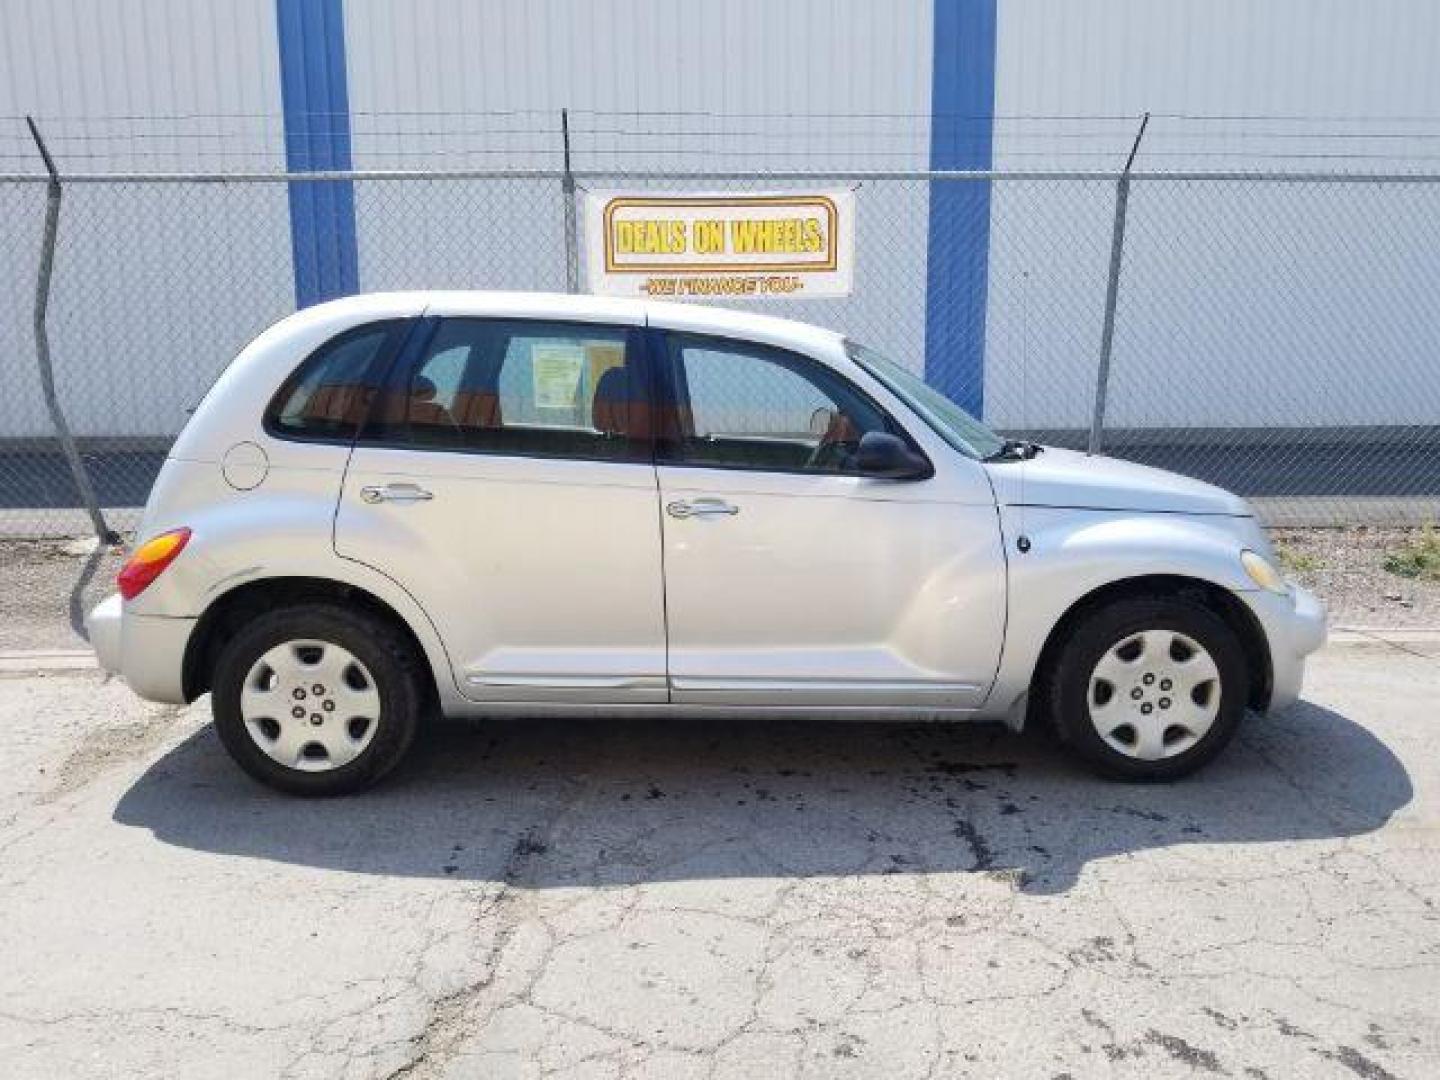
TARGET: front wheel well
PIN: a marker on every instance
(1220, 600)
(239, 605)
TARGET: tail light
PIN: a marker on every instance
(150, 560)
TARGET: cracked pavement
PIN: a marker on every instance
(725, 899)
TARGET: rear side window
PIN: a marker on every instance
(520, 387)
(329, 395)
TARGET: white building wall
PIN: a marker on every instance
(744, 85)
(112, 76)
(154, 285)
(1227, 291)
(788, 80)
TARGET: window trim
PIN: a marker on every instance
(674, 397)
(640, 451)
(398, 332)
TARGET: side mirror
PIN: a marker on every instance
(886, 456)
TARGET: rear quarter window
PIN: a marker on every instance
(329, 394)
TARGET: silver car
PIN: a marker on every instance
(397, 505)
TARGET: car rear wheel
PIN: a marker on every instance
(1149, 688)
(317, 699)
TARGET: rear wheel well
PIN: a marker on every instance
(238, 606)
(1229, 607)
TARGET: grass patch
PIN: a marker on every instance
(1418, 560)
(1296, 561)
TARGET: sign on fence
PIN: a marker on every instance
(794, 246)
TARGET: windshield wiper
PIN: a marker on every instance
(1016, 450)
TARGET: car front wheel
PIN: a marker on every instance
(317, 699)
(1149, 688)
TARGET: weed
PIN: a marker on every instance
(1295, 560)
(1419, 559)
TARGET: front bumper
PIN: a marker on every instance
(147, 651)
(1295, 627)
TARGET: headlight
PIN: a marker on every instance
(1263, 573)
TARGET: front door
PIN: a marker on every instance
(792, 578)
(505, 481)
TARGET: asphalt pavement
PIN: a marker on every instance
(739, 899)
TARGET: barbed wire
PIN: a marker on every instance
(745, 114)
(653, 138)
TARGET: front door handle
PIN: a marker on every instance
(708, 507)
(396, 493)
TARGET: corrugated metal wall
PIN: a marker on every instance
(756, 84)
(143, 84)
(1285, 61)
(779, 81)
(1228, 291)
(652, 85)
(141, 291)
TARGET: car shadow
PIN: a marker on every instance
(556, 803)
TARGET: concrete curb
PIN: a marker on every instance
(1406, 640)
(34, 661)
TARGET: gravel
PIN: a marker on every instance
(46, 586)
(1345, 567)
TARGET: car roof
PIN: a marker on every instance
(693, 318)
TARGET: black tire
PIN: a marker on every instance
(1066, 687)
(390, 658)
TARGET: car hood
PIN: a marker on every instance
(1066, 478)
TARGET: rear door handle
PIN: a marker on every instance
(707, 507)
(396, 493)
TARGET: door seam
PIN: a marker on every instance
(653, 399)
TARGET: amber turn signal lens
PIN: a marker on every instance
(1262, 572)
(150, 560)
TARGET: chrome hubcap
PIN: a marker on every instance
(1154, 694)
(310, 705)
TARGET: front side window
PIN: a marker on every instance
(750, 406)
(329, 394)
(521, 387)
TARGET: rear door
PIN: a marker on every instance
(505, 480)
(793, 579)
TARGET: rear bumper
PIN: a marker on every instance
(102, 626)
(1295, 627)
(147, 651)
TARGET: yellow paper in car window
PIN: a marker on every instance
(604, 355)
(556, 370)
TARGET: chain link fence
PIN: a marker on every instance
(1276, 334)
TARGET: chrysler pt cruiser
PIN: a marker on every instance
(393, 506)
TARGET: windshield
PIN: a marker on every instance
(951, 423)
